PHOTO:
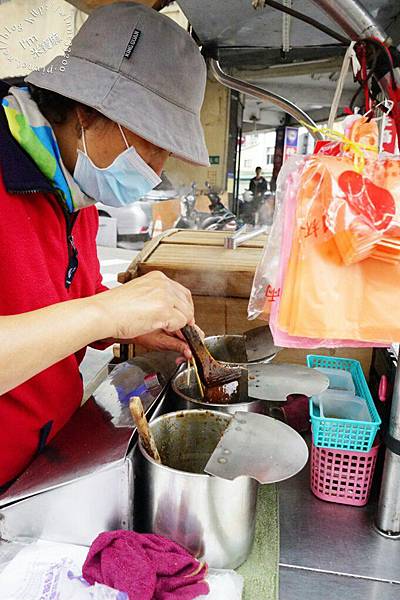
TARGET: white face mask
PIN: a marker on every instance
(126, 180)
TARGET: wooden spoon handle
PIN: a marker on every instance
(144, 431)
(196, 344)
(200, 353)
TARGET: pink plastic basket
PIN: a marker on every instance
(342, 476)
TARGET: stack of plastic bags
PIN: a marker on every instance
(330, 273)
(41, 570)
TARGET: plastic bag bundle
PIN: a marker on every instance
(334, 277)
(362, 213)
(43, 570)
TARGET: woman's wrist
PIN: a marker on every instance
(97, 324)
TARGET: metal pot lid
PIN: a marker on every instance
(277, 382)
(259, 344)
(253, 346)
(260, 447)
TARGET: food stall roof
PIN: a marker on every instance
(250, 45)
(236, 28)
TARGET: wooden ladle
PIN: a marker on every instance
(212, 373)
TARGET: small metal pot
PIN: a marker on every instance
(252, 347)
(212, 518)
(227, 348)
(187, 397)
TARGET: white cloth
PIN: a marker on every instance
(224, 585)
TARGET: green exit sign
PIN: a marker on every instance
(214, 160)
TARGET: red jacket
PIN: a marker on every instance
(34, 259)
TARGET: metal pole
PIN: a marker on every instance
(237, 174)
(257, 92)
(353, 18)
(388, 517)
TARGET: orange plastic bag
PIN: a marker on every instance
(360, 207)
(322, 296)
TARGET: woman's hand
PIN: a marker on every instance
(145, 305)
(163, 340)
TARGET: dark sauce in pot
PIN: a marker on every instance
(222, 394)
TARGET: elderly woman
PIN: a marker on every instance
(97, 125)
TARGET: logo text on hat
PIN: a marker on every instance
(132, 43)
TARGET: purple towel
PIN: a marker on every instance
(146, 566)
(296, 412)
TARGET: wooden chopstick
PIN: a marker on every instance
(144, 431)
(196, 372)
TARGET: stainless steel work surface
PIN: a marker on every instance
(296, 584)
(333, 537)
(87, 444)
(96, 436)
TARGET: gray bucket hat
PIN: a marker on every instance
(140, 69)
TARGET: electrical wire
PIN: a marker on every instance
(363, 81)
(375, 46)
(376, 51)
(298, 15)
(373, 42)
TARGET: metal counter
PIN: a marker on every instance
(328, 550)
(332, 551)
(83, 482)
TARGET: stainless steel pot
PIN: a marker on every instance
(187, 397)
(212, 517)
(253, 346)
(227, 348)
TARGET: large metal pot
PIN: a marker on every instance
(187, 397)
(212, 517)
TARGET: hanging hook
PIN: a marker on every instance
(388, 104)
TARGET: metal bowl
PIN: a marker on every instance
(187, 397)
(254, 346)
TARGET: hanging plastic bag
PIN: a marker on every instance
(265, 290)
(324, 298)
(361, 210)
(281, 338)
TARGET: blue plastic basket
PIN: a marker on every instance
(344, 434)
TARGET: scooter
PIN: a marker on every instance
(256, 211)
(189, 216)
(219, 219)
